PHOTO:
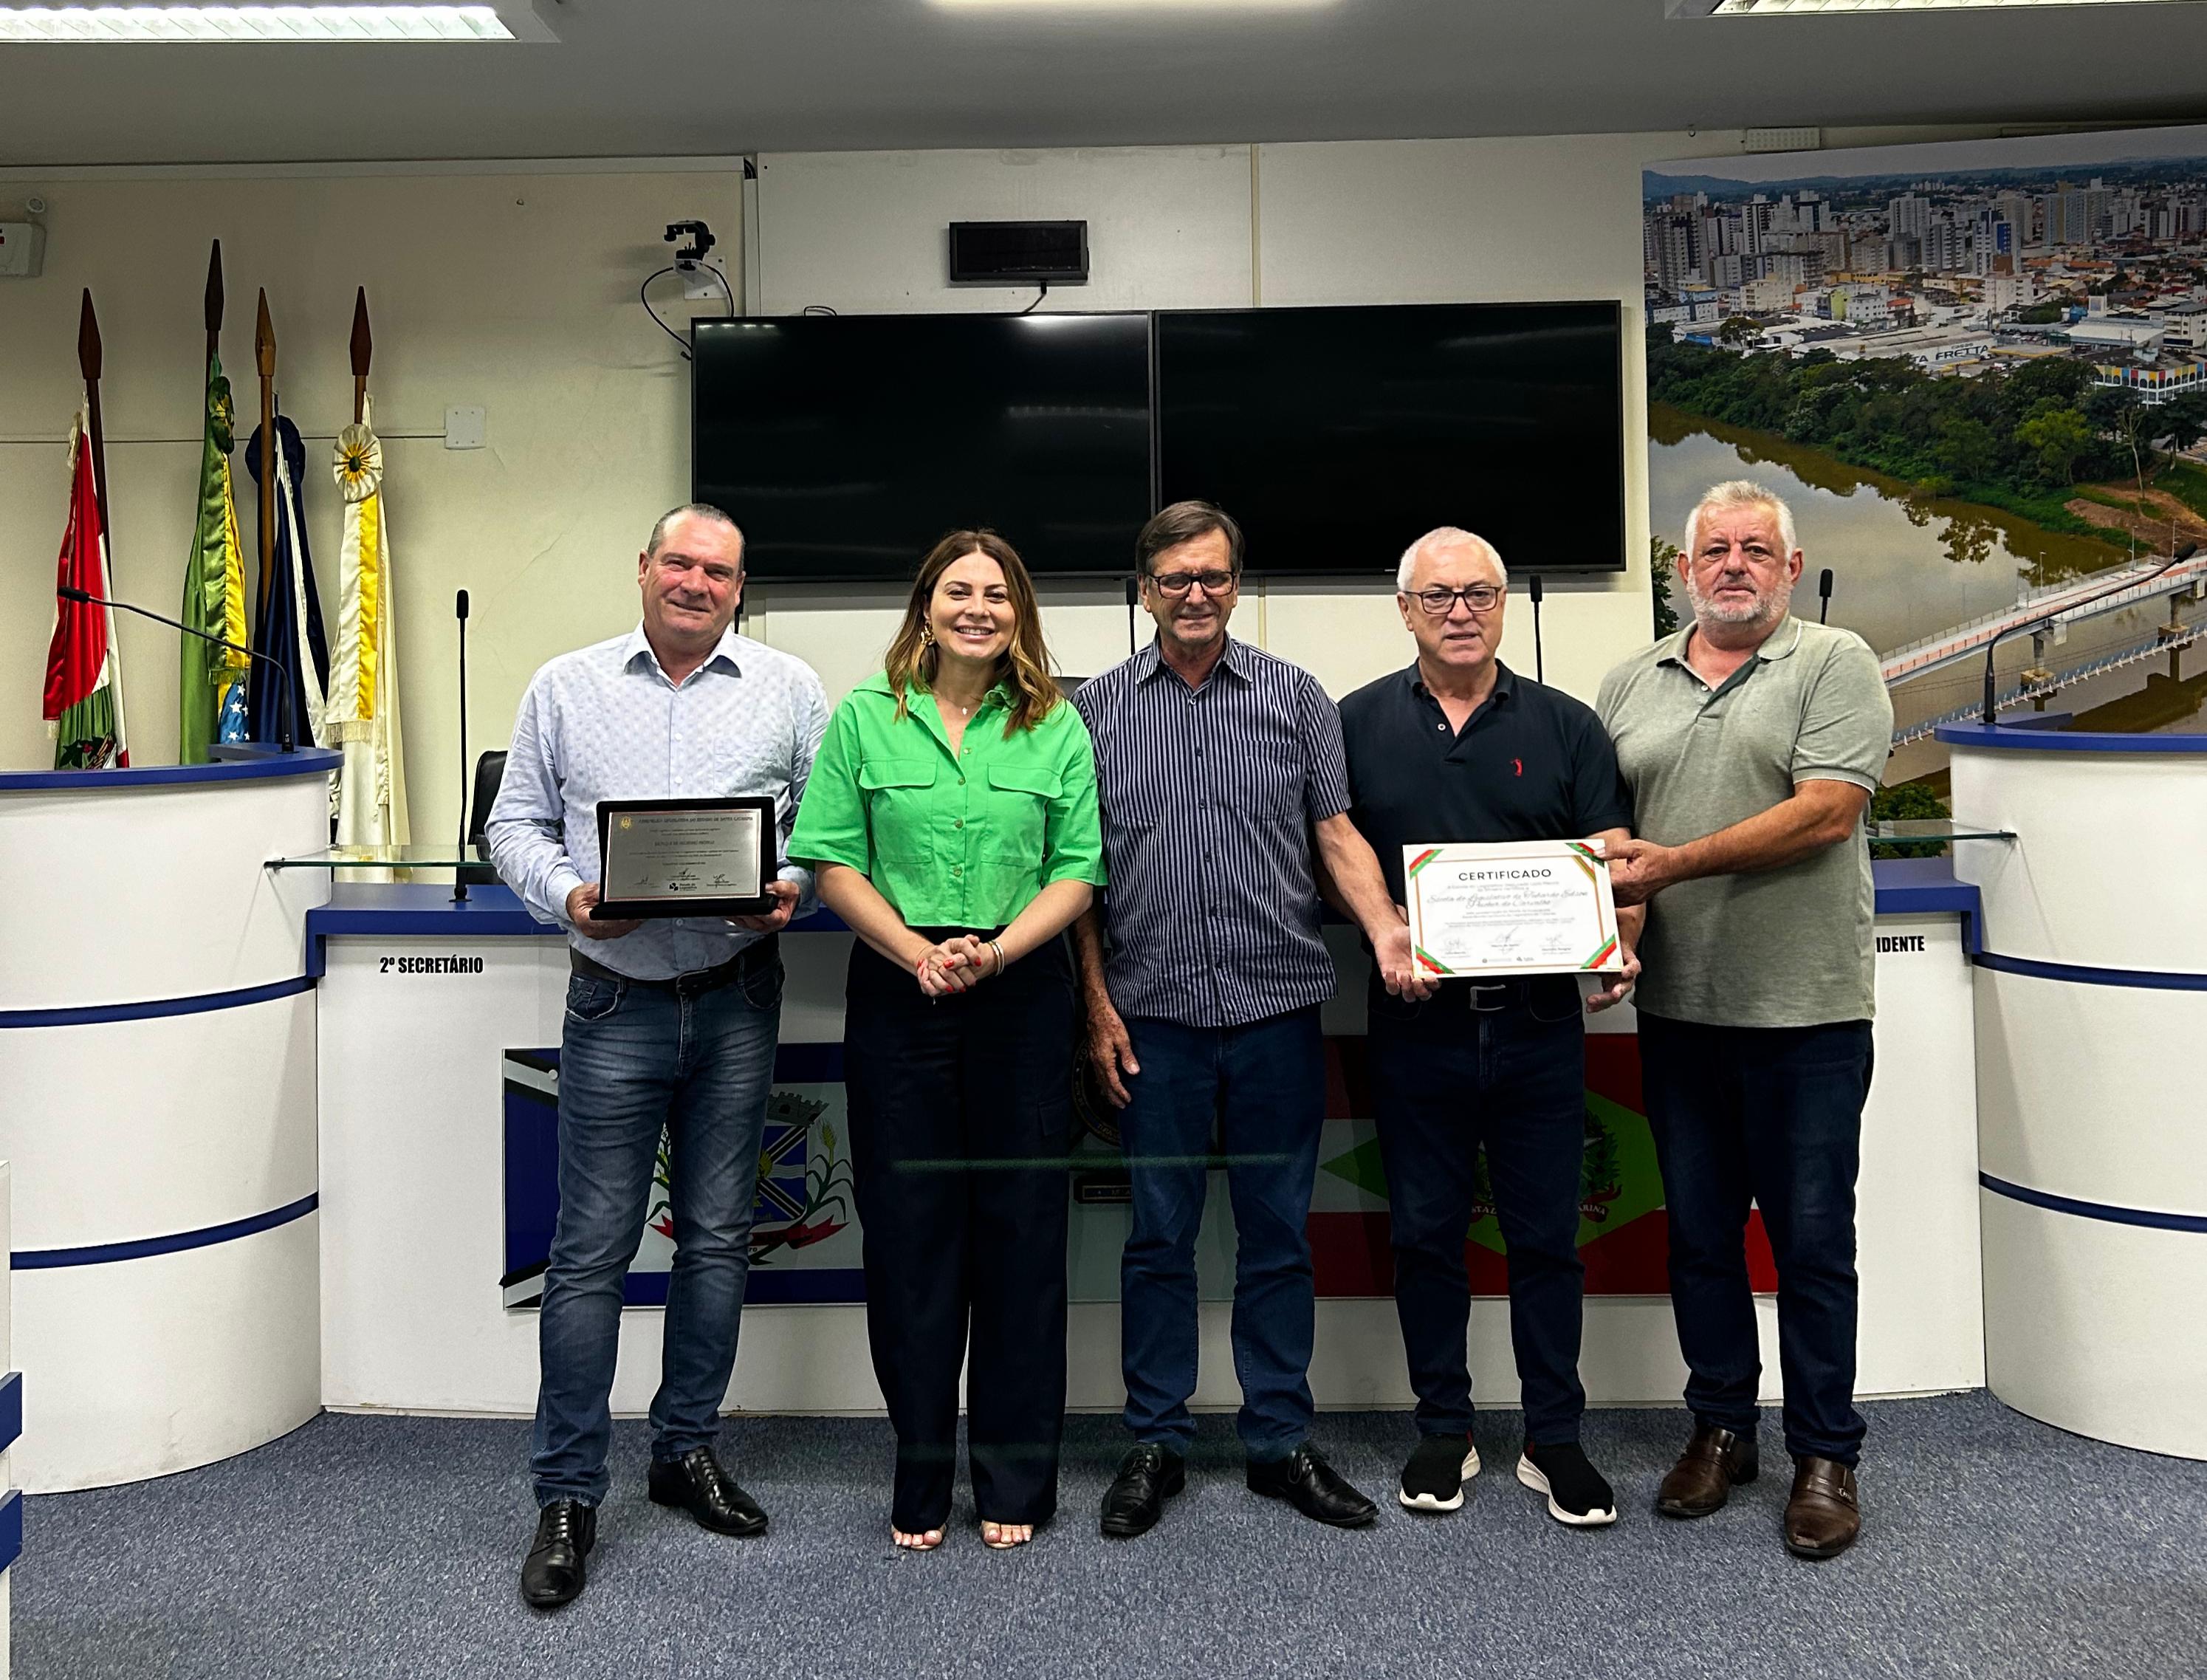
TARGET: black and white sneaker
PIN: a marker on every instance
(1576, 1493)
(1433, 1479)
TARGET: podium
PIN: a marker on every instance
(2091, 998)
(156, 1029)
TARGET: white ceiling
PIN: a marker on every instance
(660, 78)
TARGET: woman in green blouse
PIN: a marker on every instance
(951, 816)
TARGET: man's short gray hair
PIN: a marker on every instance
(1447, 536)
(699, 509)
(1731, 496)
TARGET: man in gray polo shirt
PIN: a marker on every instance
(1751, 741)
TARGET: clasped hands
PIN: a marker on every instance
(957, 964)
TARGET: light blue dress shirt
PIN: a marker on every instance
(606, 722)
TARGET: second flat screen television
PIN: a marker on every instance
(1338, 437)
(846, 446)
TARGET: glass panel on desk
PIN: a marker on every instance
(1934, 831)
(1898, 837)
(443, 857)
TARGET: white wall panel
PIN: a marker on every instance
(513, 292)
(1489, 221)
(867, 232)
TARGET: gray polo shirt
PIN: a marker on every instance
(1788, 947)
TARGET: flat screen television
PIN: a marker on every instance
(1335, 437)
(844, 445)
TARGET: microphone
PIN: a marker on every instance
(84, 597)
(460, 876)
(1823, 594)
(1540, 669)
(1134, 597)
(1990, 715)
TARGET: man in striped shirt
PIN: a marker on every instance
(1218, 768)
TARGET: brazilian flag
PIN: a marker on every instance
(210, 691)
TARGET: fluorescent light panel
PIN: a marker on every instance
(252, 23)
(1803, 8)
(1042, 6)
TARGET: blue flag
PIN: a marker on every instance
(290, 627)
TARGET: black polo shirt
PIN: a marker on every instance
(1531, 763)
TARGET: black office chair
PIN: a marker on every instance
(490, 772)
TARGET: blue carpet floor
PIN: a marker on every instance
(389, 1546)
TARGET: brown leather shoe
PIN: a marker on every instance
(1825, 1514)
(1715, 1461)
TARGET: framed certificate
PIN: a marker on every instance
(1527, 907)
(683, 858)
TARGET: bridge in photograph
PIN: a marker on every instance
(2052, 608)
(2036, 685)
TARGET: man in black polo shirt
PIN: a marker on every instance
(1458, 748)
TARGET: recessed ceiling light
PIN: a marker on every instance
(510, 20)
(1803, 8)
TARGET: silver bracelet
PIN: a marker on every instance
(999, 949)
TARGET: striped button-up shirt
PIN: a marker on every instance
(606, 722)
(1209, 796)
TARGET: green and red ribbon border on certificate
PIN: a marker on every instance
(1587, 860)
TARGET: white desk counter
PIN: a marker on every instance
(421, 998)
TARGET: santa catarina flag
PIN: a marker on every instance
(84, 678)
(211, 689)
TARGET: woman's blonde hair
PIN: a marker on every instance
(1024, 666)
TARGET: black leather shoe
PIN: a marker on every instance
(695, 1483)
(1148, 1476)
(1313, 1487)
(553, 1572)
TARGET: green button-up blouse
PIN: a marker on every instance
(952, 839)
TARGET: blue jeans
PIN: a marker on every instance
(1774, 1115)
(1509, 1075)
(635, 1058)
(1263, 1084)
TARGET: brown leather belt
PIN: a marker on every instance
(753, 957)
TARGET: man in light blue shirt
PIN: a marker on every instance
(670, 1025)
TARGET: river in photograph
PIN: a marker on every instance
(1905, 566)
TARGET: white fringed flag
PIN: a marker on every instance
(362, 716)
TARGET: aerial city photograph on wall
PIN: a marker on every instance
(1978, 373)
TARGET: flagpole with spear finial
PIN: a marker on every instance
(214, 303)
(363, 352)
(88, 360)
(264, 353)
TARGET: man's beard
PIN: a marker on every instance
(1765, 609)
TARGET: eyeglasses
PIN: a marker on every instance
(1180, 583)
(1440, 602)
